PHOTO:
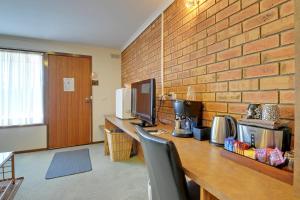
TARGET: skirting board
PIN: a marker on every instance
(31, 151)
(45, 149)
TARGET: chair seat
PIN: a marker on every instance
(194, 190)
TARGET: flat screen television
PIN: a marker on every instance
(143, 102)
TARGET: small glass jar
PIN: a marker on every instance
(290, 156)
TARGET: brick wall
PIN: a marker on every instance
(231, 52)
(142, 59)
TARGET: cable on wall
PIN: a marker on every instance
(162, 54)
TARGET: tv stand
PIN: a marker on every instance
(142, 124)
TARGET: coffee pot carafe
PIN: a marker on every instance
(223, 127)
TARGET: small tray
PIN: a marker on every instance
(279, 174)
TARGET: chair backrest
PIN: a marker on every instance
(166, 175)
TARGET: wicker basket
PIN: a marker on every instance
(119, 145)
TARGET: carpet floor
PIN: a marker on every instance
(107, 181)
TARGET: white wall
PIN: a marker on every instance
(109, 76)
(19, 139)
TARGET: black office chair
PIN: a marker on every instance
(166, 175)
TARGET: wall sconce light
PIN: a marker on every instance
(94, 75)
(191, 3)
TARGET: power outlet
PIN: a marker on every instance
(169, 96)
(172, 95)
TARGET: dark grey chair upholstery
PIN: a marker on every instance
(166, 175)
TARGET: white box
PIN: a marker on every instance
(123, 103)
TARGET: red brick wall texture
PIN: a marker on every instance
(142, 59)
(231, 52)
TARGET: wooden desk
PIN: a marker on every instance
(216, 175)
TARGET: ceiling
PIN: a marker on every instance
(108, 23)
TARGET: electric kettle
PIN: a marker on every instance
(223, 127)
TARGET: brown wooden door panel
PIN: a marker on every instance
(69, 114)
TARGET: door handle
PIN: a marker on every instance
(88, 99)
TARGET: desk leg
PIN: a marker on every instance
(108, 126)
(137, 150)
(140, 152)
(204, 195)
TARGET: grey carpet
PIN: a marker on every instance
(68, 163)
(108, 180)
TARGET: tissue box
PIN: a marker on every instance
(202, 133)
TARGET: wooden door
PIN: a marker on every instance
(69, 110)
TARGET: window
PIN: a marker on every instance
(21, 88)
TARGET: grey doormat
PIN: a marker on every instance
(69, 163)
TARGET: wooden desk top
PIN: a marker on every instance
(5, 156)
(223, 178)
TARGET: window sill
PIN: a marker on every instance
(22, 126)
